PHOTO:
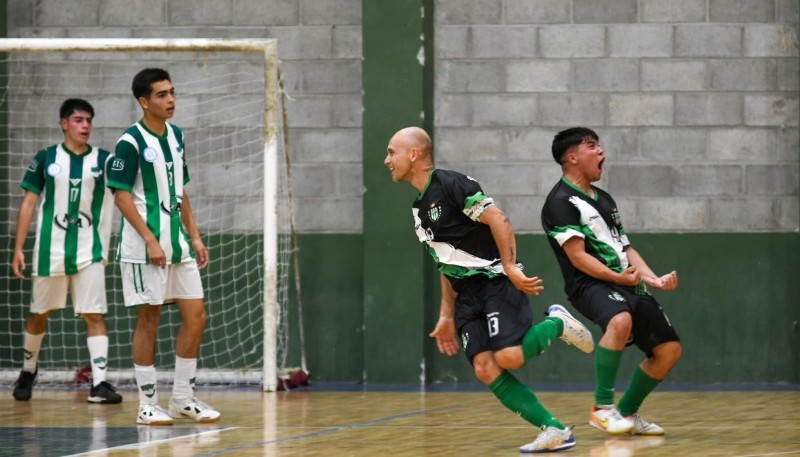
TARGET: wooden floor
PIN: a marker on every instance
(328, 423)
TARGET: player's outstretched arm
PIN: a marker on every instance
(445, 331)
(503, 236)
(667, 282)
(187, 217)
(26, 209)
(576, 251)
(124, 201)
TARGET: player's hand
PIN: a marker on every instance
(667, 282)
(445, 334)
(629, 277)
(200, 253)
(18, 264)
(156, 254)
(531, 286)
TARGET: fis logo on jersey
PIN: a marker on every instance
(616, 296)
(117, 164)
(64, 221)
(173, 207)
(435, 212)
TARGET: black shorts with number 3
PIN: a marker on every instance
(601, 301)
(491, 314)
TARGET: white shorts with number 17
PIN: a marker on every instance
(145, 284)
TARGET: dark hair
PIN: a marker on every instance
(71, 105)
(569, 138)
(143, 81)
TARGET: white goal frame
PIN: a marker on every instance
(272, 138)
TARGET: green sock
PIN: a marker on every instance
(640, 387)
(517, 397)
(539, 337)
(606, 365)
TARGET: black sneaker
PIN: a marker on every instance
(23, 388)
(104, 393)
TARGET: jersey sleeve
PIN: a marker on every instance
(34, 179)
(465, 193)
(123, 167)
(561, 220)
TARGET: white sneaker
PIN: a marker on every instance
(550, 440)
(153, 415)
(574, 333)
(608, 419)
(194, 409)
(642, 427)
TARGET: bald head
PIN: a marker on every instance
(409, 156)
(415, 137)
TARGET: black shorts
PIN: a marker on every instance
(600, 301)
(491, 314)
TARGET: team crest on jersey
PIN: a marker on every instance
(53, 169)
(616, 296)
(179, 150)
(434, 212)
(97, 172)
(82, 220)
(150, 154)
(615, 216)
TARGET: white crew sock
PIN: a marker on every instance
(98, 356)
(31, 346)
(146, 381)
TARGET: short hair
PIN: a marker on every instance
(142, 85)
(569, 138)
(72, 105)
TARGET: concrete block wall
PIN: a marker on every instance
(320, 54)
(695, 102)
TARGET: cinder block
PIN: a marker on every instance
(621, 145)
(781, 179)
(640, 110)
(743, 74)
(19, 14)
(742, 214)
(640, 40)
(561, 110)
(539, 12)
(297, 43)
(116, 13)
(497, 42)
(327, 145)
(458, 145)
(549, 174)
(744, 145)
(453, 110)
(708, 40)
(313, 180)
(200, 12)
(266, 12)
(72, 13)
(605, 75)
(788, 71)
(788, 144)
(710, 180)
(349, 179)
(708, 109)
(789, 214)
(524, 212)
(330, 76)
(604, 11)
(504, 110)
(672, 11)
(570, 41)
(450, 41)
(226, 179)
(538, 76)
(674, 145)
(770, 40)
(329, 215)
(788, 11)
(348, 110)
(347, 42)
(638, 180)
(771, 109)
(741, 11)
(531, 144)
(674, 75)
(468, 12)
(627, 208)
(509, 178)
(671, 214)
(471, 76)
(170, 32)
(91, 32)
(309, 111)
(330, 12)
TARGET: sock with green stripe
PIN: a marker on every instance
(606, 365)
(517, 397)
(640, 387)
(540, 336)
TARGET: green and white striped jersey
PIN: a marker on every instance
(75, 207)
(153, 170)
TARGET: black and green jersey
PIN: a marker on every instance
(74, 218)
(568, 212)
(446, 217)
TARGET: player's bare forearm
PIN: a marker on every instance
(668, 281)
(502, 233)
(448, 305)
(576, 252)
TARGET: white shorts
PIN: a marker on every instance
(87, 288)
(145, 284)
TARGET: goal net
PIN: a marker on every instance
(229, 107)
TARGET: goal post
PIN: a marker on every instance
(229, 106)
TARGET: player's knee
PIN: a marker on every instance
(620, 325)
(672, 352)
(485, 367)
(510, 358)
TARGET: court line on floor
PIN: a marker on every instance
(331, 430)
(771, 453)
(135, 446)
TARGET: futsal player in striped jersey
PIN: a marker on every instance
(160, 249)
(71, 249)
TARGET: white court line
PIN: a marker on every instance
(150, 443)
(771, 453)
